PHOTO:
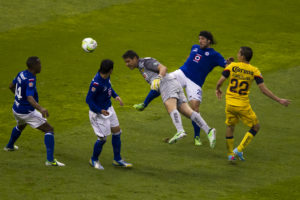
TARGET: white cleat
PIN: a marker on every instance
(11, 149)
(212, 137)
(54, 163)
(96, 164)
(177, 136)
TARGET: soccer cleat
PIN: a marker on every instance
(54, 163)
(96, 164)
(212, 137)
(122, 163)
(198, 141)
(139, 107)
(11, 149)
(231, 158)
(239, 154)
(177, 136)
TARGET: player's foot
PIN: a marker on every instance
(96, 164)
(239, 154)
(231, 158)
(11, 149)
(177, 136)
(122, 163)
(54, 163)
(139, 107)
(212, 137)
(198, 141)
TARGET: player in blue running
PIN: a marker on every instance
(103, 117)
(25, 109)
(201, 61)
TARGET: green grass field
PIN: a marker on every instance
(165, 30)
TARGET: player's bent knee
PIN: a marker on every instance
(115, 130)
(256, 127)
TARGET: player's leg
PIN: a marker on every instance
(116, 143)
(249, 118)
(194, 94)
(185, 109)
(15, 134)
(16, 131)
(102, 130)
(195, 104)
(230, 143)
(231, 120)
(171, 106)
(116, 140)
(49, 143)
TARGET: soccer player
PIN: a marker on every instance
(192, 74)
(26, 109)
(103, 116)
(171, 92)
(241, 74)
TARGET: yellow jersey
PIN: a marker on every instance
(241, 76)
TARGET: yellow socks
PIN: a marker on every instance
(230, 144)
(246, 140)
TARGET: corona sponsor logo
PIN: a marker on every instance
(237, 69)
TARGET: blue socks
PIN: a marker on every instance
(196, 129)
(97, 149)
(15, 134)
(116, 143)
(151, 95)
(49, 142)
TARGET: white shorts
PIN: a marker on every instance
(34, 119)
(193, 91)
(102, 124)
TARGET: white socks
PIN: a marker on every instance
(196, 117)
(176, 118)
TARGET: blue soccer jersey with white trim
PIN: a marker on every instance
(25, 83)
(200, 62)
(99, 94)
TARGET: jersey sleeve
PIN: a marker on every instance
(226, 71)
(30, 87)
(91, 97)
(113, 93)
(258, 77)
(152, 64)
(220, 61)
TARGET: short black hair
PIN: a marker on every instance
(208, 36)
(247, 53)
(105, 66)
(31, 61)
(130, 54)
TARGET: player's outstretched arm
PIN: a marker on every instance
(263, 88)
(12, 87)
(119, 100)
(37, 106)
(218, 87)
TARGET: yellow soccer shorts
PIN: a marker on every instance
(243, 113)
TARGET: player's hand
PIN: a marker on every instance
(219, 94)
(104, 112)
(139, 107)
(284, 102)
(156, 83)
(44, 112)
(120, 100)
(229, 60)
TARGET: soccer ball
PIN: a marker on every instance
(89, 44)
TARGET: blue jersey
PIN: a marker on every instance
(100, 92)
(200, 63)
(25, 83)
